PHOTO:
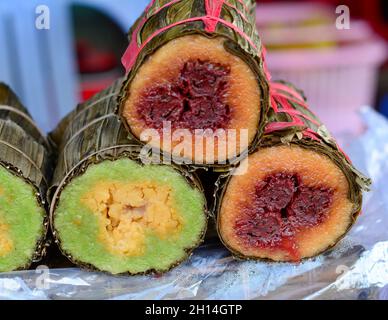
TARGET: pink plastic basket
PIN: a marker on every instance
(337, 79)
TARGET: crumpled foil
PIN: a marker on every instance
(357, 268)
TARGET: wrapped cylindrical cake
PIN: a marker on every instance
(113, 208)
(295, 196)
(196, 77)
(25, 170)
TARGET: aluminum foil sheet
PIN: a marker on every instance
(357, 268)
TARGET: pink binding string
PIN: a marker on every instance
(279, 87)
(213, 10)
(212, 18)
(130, 55)
(238, 11)
(277, 94)
(243, 4)
(279, 98)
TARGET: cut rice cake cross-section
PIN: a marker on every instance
(204, 93)
(112, 211)
(301, 193)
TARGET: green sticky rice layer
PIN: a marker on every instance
(81, 239)
(21, 213)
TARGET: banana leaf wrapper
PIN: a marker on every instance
(12, 109)
(291, 123)
(91, 135)
(25, 153)
(232, 20)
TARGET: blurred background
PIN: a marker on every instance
(339, 69)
